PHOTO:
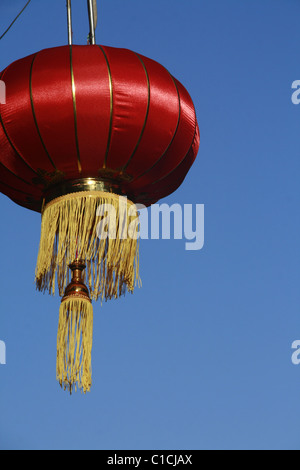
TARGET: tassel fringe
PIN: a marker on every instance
(70, 230)
(74, 344)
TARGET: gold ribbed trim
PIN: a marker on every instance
(91, 194)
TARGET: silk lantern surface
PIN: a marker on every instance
(94, 112)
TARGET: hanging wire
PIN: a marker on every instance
(5, 32)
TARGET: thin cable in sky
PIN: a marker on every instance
(5, 32)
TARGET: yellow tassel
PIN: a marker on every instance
(74, 344)
(70, 231)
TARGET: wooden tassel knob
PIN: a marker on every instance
(77, 288)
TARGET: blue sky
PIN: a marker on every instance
(200, 357)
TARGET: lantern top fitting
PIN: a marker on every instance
(93, 19)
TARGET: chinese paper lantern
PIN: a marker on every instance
(85, 127)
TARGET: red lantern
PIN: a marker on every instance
(94, 112)
(83, 125)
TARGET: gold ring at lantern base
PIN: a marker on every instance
(79, 186)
